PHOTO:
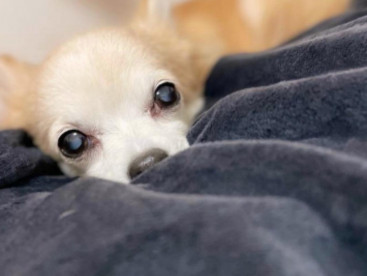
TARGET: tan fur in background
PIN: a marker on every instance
(220, 27)
(252, 25)
(214, 27)
(105, 85)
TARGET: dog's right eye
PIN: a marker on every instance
(166, 95)
(73, 143)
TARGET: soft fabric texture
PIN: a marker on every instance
(274, 184)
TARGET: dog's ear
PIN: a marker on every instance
(158, 11)
(15, 83)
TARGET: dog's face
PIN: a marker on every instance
(110, 104)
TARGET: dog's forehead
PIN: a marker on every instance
(101, 61)
(97, 74)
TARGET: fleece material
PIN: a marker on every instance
(275, 182)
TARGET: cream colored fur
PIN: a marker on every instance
(102, 83)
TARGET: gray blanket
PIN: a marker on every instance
(274, 184)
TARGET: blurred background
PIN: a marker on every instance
(31, 30)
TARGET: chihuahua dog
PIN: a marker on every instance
(115, 102)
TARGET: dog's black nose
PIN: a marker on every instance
(146, 161)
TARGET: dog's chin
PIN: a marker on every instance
(106, 175)
(68, 170)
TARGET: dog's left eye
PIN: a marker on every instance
(73, 143)
(166, 95)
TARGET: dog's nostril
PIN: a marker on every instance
(146, 161)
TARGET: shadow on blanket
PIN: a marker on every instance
(275, 183)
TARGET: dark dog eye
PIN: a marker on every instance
(73, 143)
(166, 95)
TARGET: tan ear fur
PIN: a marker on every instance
(251, 25)
(15, 86)
(273, 22)
(148, 10)
(219, 27)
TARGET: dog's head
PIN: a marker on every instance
(114, 102)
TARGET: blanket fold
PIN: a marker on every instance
(275, 182)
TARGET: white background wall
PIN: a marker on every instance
(30, 29)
